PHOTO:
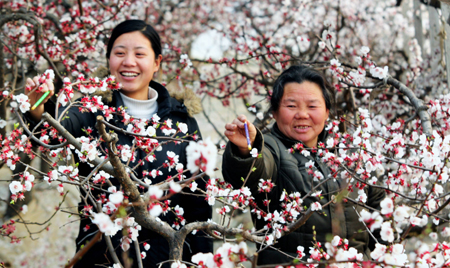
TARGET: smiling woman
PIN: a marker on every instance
(300, 104)
(134, 55)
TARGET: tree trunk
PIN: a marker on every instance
(435, 50)
(445, 7)
(417, 15)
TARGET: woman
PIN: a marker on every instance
(134, 55)
(300, 104)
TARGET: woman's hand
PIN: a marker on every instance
(34, 96)
(235, 132)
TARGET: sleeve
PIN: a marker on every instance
(236, 168)
(73, 120)
(375, 196)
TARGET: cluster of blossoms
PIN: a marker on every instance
(18, 187)
(227, 255)
(185, 61)
(357, 76)
(7, 229)
(202, 156)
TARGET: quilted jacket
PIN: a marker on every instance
(289, 173)
(195, 208)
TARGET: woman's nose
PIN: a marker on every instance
(129, 60)
(301, 113)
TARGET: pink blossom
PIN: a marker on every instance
(28, 185)
(116, 198)
(401, 212)
(125, 153)
(379, 72)
(387, 233)
(155, 210)
(204, 259)
(316, 206)
(182, 127)
(300, 252)
(60, 188)
(15, 187)
(201, 155)
(193, 186)
(178, 264)
(387, 206)
(378, 253)
(254, 152)
(269, 239)
(24, 209)
(154, 192)
(315, 254)
(24, 103)
(373, 220)
(364, 51)
(174, 187)
(104, 223)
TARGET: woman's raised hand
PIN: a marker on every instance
(235, 132)
(35, 95)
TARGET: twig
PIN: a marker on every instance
(84, 250)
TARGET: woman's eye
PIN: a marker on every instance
(119, 53)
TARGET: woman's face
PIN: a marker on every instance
(302, 113)
(132, 62)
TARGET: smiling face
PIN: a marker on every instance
(132, 62)
(302, 113)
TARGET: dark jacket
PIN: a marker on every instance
(195, 208)
(288, 172)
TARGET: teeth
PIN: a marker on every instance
(129, 74)
(302, 127)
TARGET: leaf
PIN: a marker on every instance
(122, 212)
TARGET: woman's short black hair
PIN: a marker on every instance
(129, 26)
(299, 74)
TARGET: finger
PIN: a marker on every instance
(36, 80)
(43, 88)
(242, 118)
(230, 127)
(239, 123)
(30, 83)
(229, 133)
(50, 87)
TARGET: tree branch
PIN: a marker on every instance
(421, 109)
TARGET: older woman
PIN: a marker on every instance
(300, 104)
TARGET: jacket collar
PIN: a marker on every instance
(166, 104)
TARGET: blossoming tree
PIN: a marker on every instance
(390, 128)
